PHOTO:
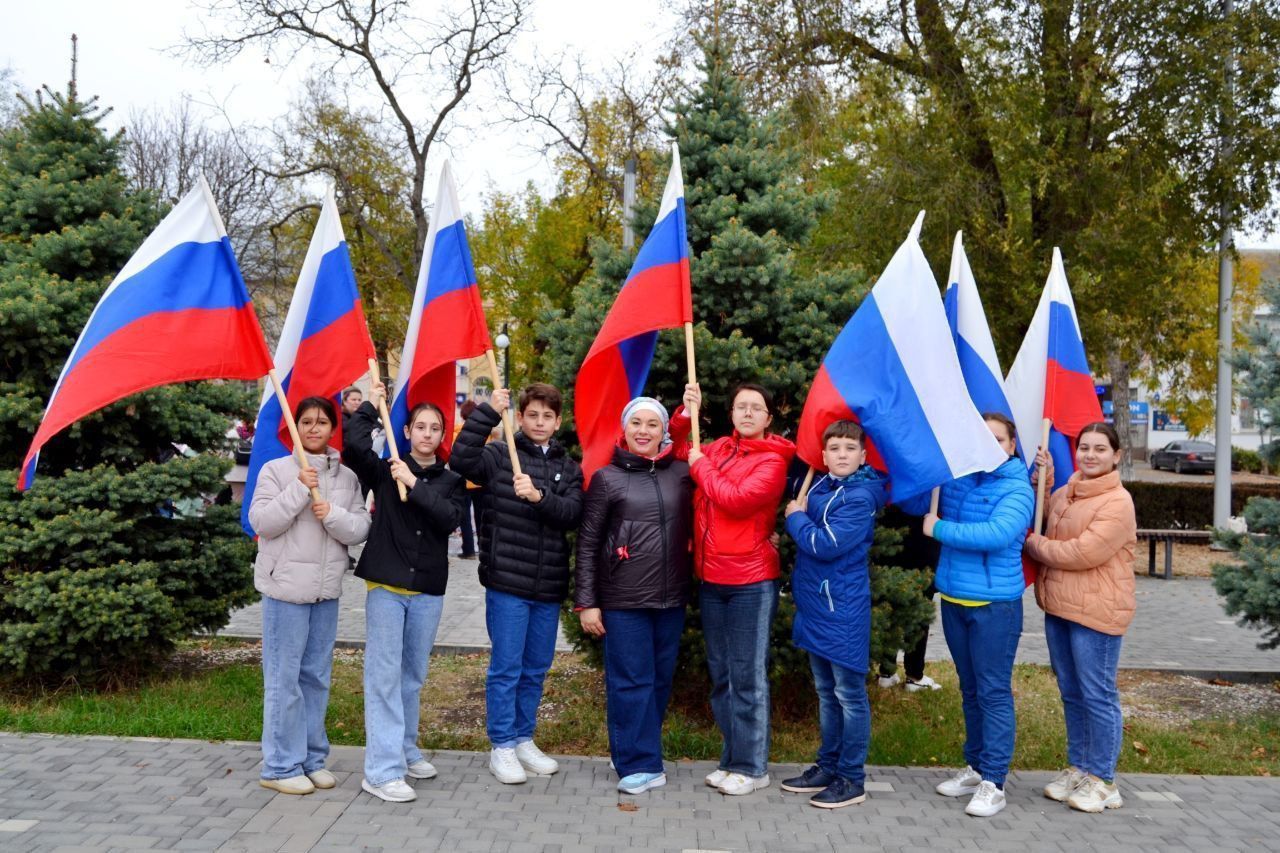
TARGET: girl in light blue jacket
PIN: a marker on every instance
(982, 522)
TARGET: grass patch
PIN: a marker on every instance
(213, 691)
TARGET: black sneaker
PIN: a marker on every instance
(813, 779)
(838, 794)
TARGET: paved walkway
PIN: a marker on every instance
(76, 794)
(1180, 625)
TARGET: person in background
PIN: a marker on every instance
(1085, 586)
(919, 553)
(302, 556)
(467, 527)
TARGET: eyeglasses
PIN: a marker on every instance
(755, 409)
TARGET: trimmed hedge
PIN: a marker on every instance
(1188, 506)
(1249, 461)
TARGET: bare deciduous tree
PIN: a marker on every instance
(404, 56)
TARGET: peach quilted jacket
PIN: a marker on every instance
(1085, 558)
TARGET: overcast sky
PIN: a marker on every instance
(125, 58)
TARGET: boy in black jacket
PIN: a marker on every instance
(524, 563)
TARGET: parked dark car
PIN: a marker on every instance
(1184, 456)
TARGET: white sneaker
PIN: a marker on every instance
(506, 767)
(422, 769)
(291, 785)
(925, 683)
(1065, 785)
(716, 778)
(738, 784)
(1094, 795)
(889, 681)
(988, 800)
(535, 760)
(395, 791)
(964, 782)
(322, 778)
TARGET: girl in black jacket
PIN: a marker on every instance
(405, 565)
(632, 583)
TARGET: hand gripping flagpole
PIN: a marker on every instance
(506, 416)
(386, 426)
(293, 429)
(1044, 444)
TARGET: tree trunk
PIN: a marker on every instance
(1119, 369)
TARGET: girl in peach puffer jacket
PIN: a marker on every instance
(1085, 586)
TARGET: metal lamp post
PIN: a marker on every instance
(503, 342)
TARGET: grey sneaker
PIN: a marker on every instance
(1066, 783)
(395, 791)
(1094, 795)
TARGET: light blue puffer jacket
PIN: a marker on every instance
(984, 519)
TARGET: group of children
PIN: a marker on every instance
(648, 517)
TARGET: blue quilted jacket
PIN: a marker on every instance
(830, 583)
(984, 518)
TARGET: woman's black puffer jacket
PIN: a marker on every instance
(634, 544)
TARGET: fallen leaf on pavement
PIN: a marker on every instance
(628, 807)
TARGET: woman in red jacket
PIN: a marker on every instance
(739, 481)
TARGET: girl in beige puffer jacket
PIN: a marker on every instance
(302, 556)
(1085, 586)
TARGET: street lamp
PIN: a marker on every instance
(503, 342)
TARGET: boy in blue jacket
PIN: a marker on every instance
(833, 528)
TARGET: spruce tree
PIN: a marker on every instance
(1252, 588)
(757, 318)
(113, 554)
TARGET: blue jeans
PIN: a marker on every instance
(399, 633)
(640, 650)
(983, 641)
(297, 661)
(1085, 662)
(735, 624)
(844, 719)
(522, 633)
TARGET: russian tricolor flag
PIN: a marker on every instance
(177, 312)
(656, 295)
(447, 320)
(972, 336)
(324, 346)
(1050, 376)
(893, 369)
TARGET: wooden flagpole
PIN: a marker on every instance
(1044, 442)
(507, 426)
(386, 426)
(804, 487)
(933, 500)
(696, 435)
(298, 452)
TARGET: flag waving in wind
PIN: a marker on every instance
(1050, 377)
(656, 295)
(447, 320)
(972, 336)
(177, 312)
(324, 346)
(894, 370)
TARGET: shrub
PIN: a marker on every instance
(1249, 461)
(1187, 506)
(1252, 589)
